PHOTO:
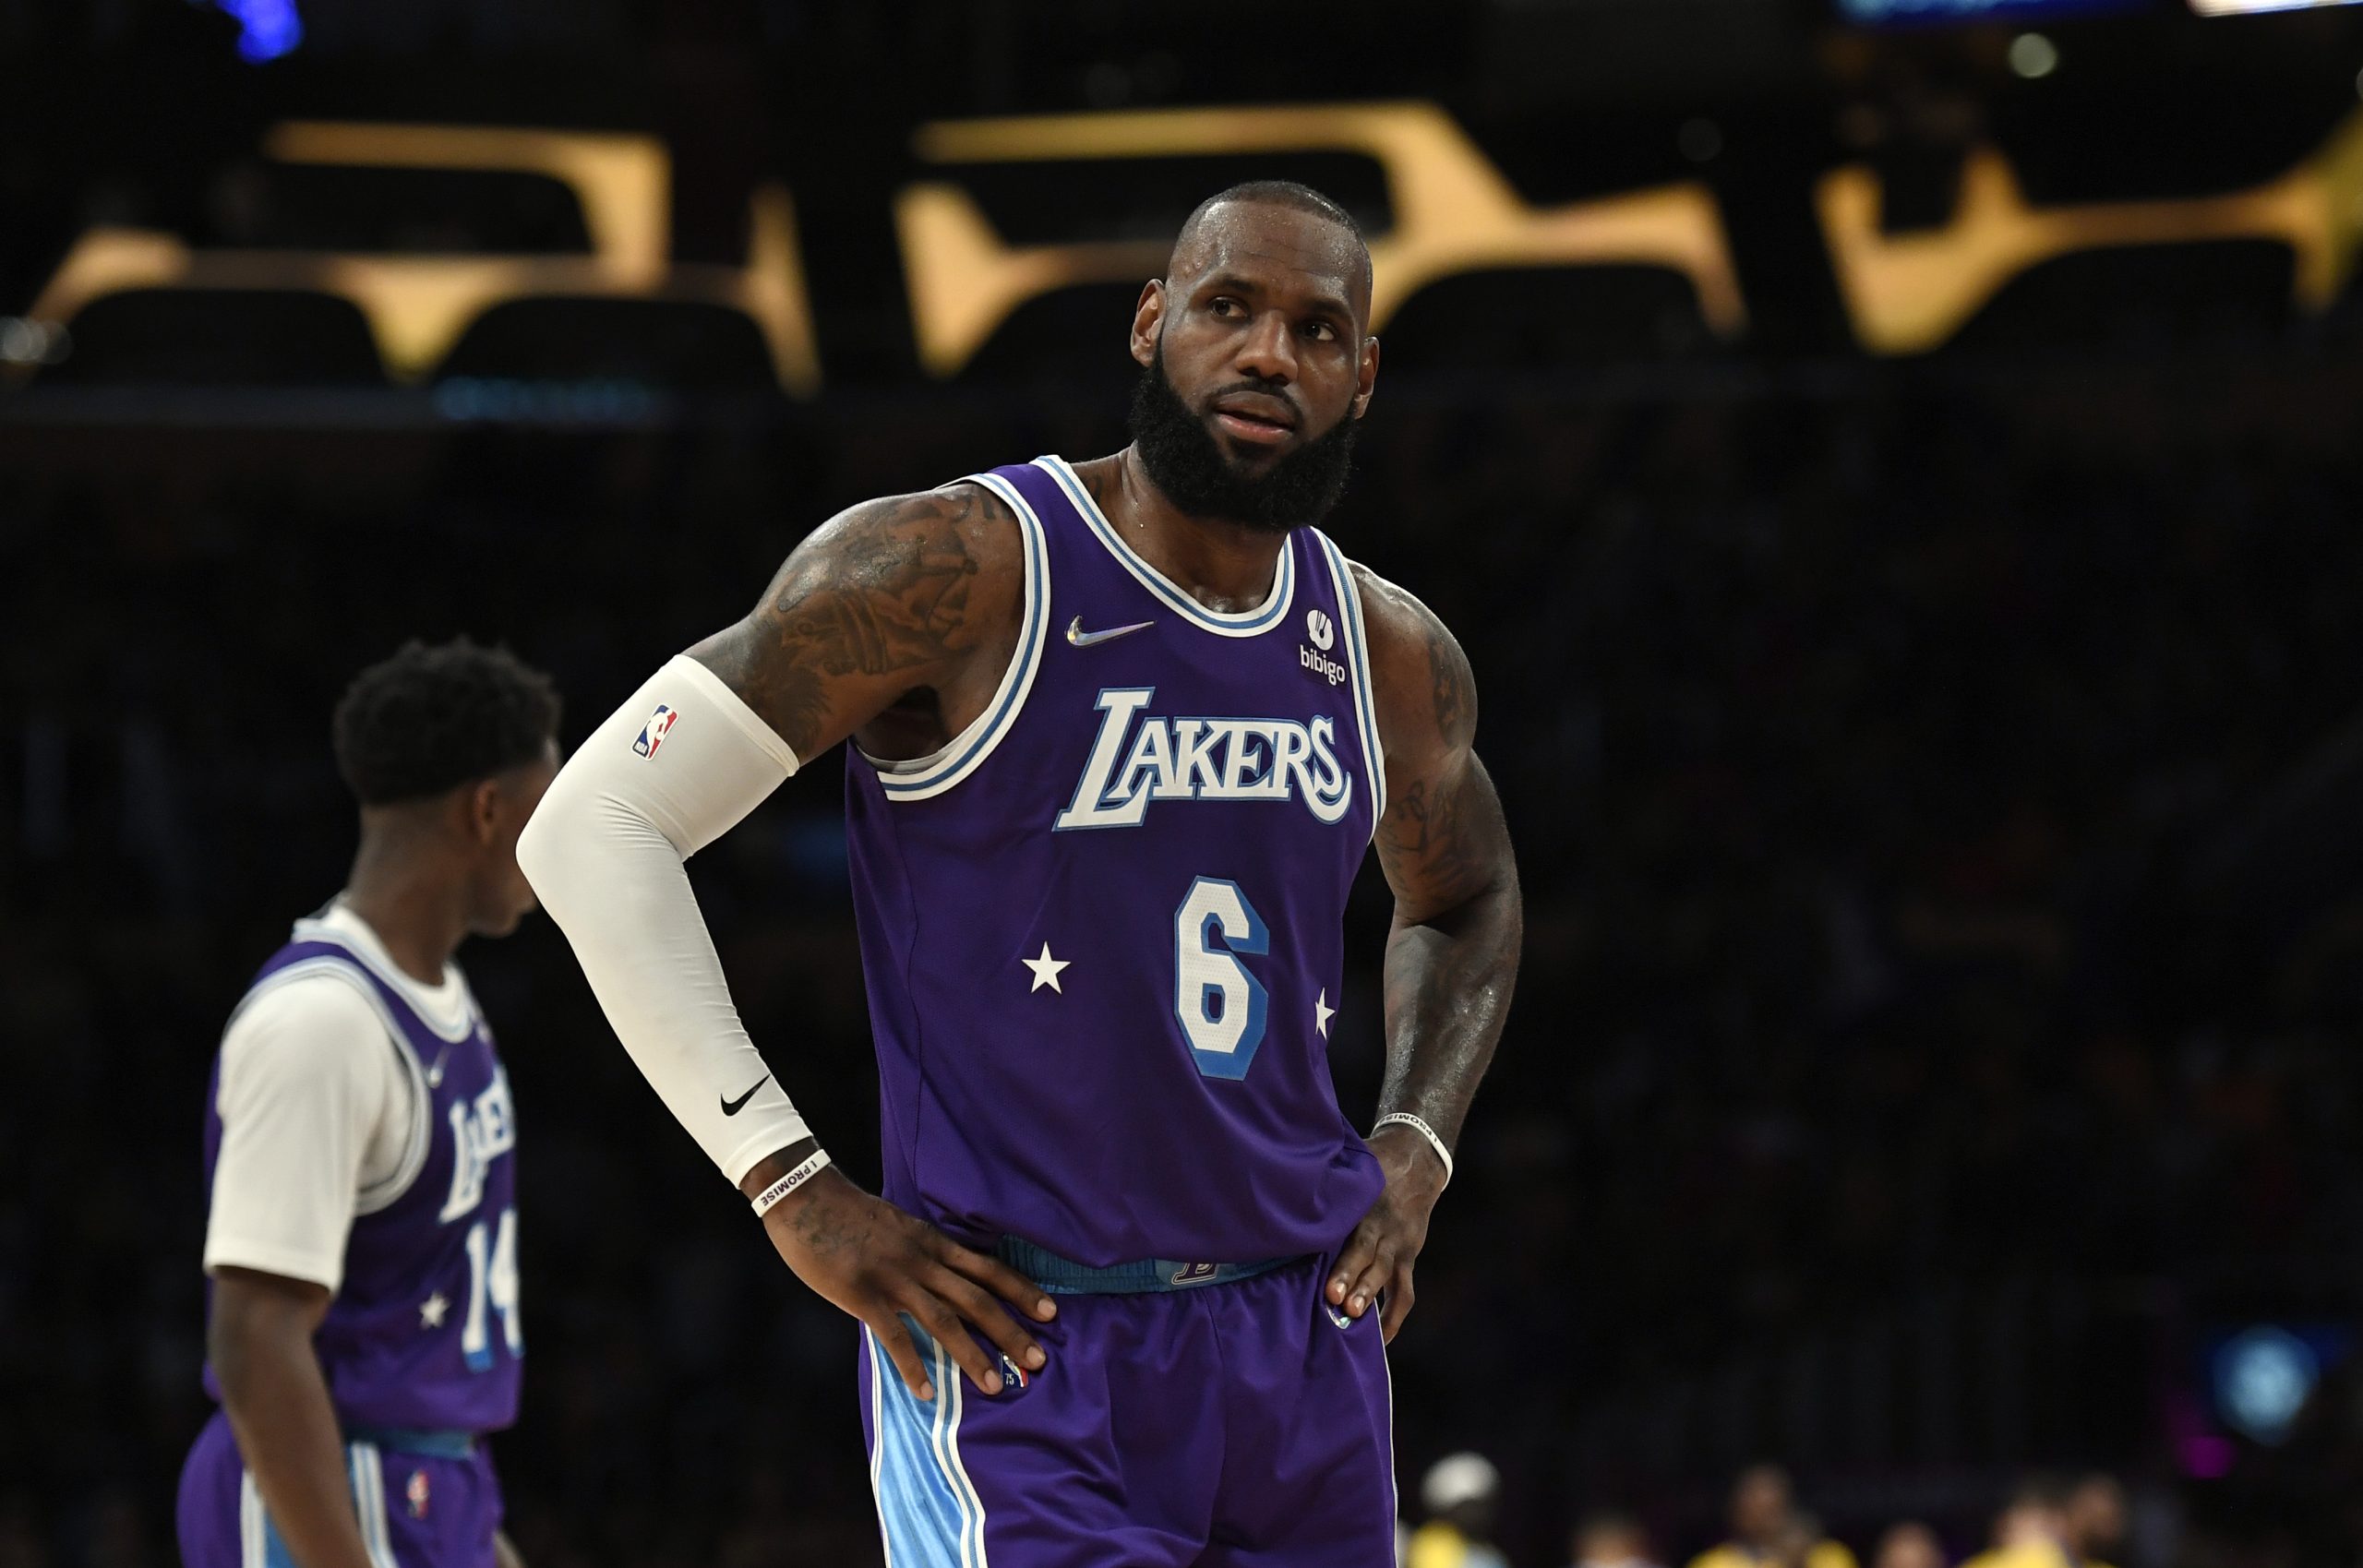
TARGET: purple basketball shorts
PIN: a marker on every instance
(1220, 1426)
(417, 1510)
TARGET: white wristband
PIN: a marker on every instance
(814, 1163)
(1404, 1118)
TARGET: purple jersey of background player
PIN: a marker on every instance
(1103, 928)
(393, 1357)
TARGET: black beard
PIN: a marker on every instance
(1186, 462)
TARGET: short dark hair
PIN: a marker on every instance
(432, 718)
(1277, 193)
(1280, 193)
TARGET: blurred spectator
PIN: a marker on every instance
(1608, 1539)
(1768, 1528)
(1797, 1540)
(2032, 1529)
(1462, 1493)
(1908, 1545)
(2095, 1517)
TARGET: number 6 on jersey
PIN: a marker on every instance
(1220, 1004)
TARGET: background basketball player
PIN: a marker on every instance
(363, 1331)
(1124, 729)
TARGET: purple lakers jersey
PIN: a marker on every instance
(424, 1332)
(1102, 929)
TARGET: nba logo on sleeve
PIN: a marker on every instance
(651, 734)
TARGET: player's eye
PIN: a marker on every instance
(1321, 331)
(1223, 305)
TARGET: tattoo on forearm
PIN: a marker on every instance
(1452, 958)
(1447, 990)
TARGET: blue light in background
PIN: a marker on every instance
(266, 29)
(1918, 12)
(2262, 1378)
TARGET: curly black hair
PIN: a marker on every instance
(430, 719)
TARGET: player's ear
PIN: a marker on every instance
(1148, 318)
(484, 810)
(1366, 378)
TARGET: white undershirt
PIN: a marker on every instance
(321, 1105)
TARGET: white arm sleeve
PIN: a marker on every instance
(675, 768)
(309, 1091)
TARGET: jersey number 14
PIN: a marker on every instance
(492, 1283)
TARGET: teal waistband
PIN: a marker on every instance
(1060, 1277)
(412, 1440)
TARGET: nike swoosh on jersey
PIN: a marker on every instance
(732, 1107)
(1082, 638)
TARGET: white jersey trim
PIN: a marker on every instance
(1222, 623)
(368, 1472)
(387, 1190)
(253, 1550)
(923, 1490)
(878, 1371)
(1349, 600)
(1394, 1497)
(949, 1378)
(923, 778)
(454, 1029)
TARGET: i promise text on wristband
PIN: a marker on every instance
(814, 1163)
(1404, 1118)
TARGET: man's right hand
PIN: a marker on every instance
(878, 1262)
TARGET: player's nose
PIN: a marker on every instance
(1268, 350)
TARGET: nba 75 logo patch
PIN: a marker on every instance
(653, 733)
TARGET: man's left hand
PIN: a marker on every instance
(1376, 1264)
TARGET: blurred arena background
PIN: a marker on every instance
(1895, 465)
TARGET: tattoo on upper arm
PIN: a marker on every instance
(1443, 839)
(886, 591)
(897, 604)
(1453, 688)
(1435, 849)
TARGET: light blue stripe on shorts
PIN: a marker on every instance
(927, 1509)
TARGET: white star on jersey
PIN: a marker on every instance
(1046, 971)
(1323, 1012)
(431, 1310)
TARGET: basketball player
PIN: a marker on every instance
(362, 1240)
(1123, 730)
